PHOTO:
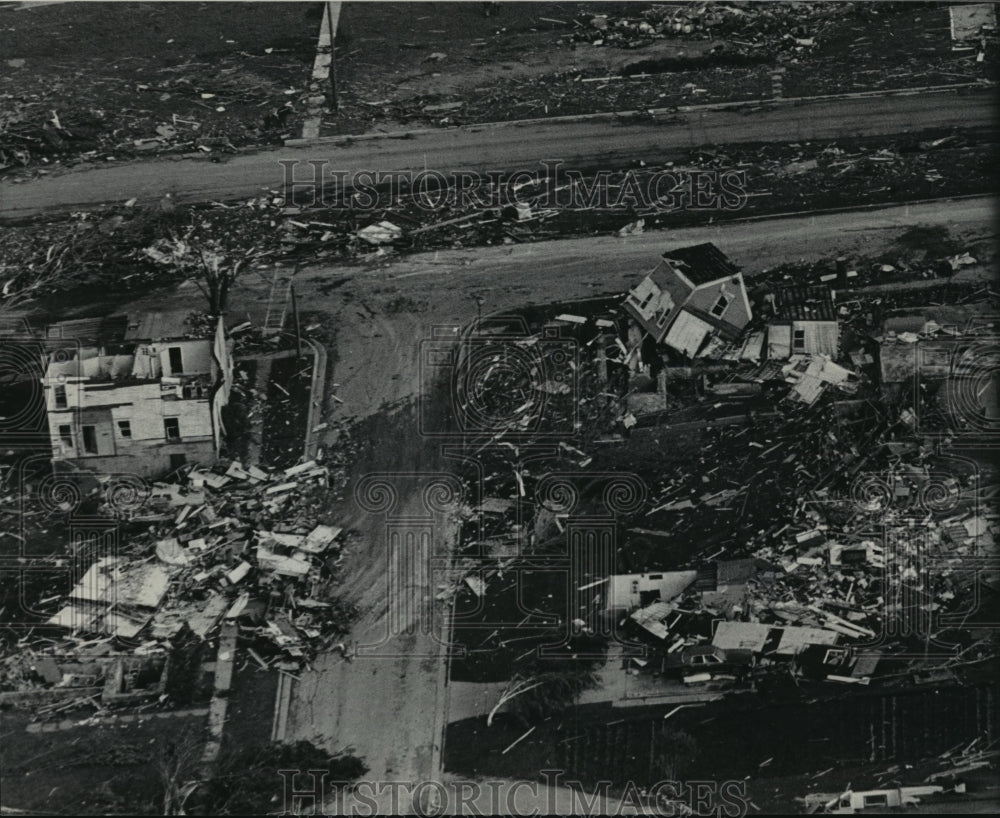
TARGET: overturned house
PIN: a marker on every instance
(693, 302)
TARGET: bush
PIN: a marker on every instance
(248, 782)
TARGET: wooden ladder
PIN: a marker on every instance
(278, 300)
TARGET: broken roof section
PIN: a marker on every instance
(114, 597)
(653, 618)
(810, 375)
(111, 581)
(688, 333)
(152, 325)
(805, 303)
(770, 639)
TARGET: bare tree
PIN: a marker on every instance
(545, 684)
(176, 764)
(515, 687)
(215, 247)
(41, 270)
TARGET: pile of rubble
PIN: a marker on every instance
(791, 498)
(890, 539)
(770, 27)
(237, 544)
(53, 676)
(173, 109)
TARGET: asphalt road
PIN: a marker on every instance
(509, 146)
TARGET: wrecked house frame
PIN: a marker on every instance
(140, 396)
(803, 321)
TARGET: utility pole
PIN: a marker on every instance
(332, 18)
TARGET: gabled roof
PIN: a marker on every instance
(805, 303)
(701, 263)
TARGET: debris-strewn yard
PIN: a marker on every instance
(796, 513)
(286, 411)
(55, 259)
(193, 77)
(73, 91)
(400, 64)
(779, 753)
(99, 769)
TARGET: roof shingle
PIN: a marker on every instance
(701, 263)
(805, 303)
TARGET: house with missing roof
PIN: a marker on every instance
(803, 321)
(138, 395)
(693, 301)
(775, 641)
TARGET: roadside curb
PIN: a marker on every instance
(610, 116)
(115, 720)
(315, 397)
(282, 706)
(793, 214)
(220, 703)
(444, 674)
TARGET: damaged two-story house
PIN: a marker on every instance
(139, 395)
(693, 302)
